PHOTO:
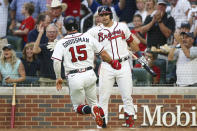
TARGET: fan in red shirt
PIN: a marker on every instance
(27, 24)
(151, 57)
(73, 7)
(137, 22)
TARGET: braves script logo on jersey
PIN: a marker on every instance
(111, 35)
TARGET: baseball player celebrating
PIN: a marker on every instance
(77, 52)
(115, 37)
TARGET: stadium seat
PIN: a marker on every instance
(19, 54)
(141, 77)
(15, 41)
(171, 73)
(161, 63)
(31, 81)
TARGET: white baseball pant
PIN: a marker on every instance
(123, 77)
(82, 87)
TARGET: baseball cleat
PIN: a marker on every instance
(104, 123)
(129, 120)
(103, 117)
(97, 115)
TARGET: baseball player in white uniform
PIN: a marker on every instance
(77, 51)
(115, 37)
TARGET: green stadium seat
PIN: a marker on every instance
(161, 63)
(141, 77)
(171, 73)
(19, 54)
(15, 41)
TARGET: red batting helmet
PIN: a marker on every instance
(105, 10)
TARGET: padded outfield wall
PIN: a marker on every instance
(44, 107)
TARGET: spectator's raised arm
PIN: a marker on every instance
(148, 24)
(173, 49)
(166, 30)
(171, 54)
(36, 48)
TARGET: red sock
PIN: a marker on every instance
(84, 109)
(129, 120)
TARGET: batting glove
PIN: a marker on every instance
(51, 45)
(115, 64)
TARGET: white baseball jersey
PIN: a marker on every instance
(77, 50)
(113, 38)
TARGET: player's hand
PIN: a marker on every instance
(115, 64)
(59, 82)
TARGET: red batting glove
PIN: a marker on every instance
(115, 64)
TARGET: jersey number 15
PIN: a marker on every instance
(80, 50)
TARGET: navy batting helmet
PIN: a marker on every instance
(70, 23)
(105, 10)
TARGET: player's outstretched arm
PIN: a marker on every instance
(105, 56)
(57, 69)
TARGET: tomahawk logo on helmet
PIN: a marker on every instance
(105, 10)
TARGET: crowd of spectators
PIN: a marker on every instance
(166, 29)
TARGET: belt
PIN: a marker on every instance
(123, 59)
(80, 70)
(1, 38)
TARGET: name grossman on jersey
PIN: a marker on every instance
(75, 40)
